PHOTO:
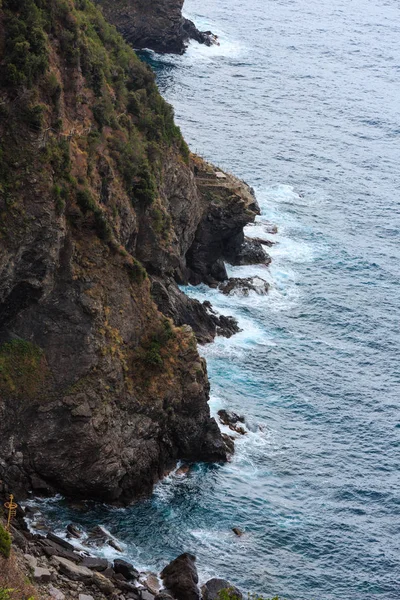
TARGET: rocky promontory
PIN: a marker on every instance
(157, 25)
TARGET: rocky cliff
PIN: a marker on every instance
(102, 210)
(158, 25)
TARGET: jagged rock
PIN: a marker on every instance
(184, 310)
(211, 590)
(59, 541)
(158, 25)
(85, 597)
(243, 287)
(228, 207)
(114, 545)
(181, 578)
(95, 563)
(164, 595)
(41, 575)
(74, 531)
(231, 419)
(146, 595)
(264, 241)
(229, 443)
(126, 569)
(250, 252)
(71, 570)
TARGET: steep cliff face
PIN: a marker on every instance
(158, 25)
(100, 393)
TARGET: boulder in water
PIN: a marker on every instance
(180, 577)
(237, 531)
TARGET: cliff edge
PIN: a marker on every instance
(102, 210)
(157, 25)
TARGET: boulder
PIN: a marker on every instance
(50, 551)
(74, 531)
(126, 569)
(114, 545)
(59, 541)
(31, 560)
(95, 563)
(71, 570)
(41, 575)
(236, 286)
(212, 589)
(180, 577)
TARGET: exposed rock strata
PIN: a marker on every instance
(157, 25)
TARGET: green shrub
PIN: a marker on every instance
(152, 355)
(5, 543)
(136, 270)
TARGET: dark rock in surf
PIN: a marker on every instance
(243, 287)
(180, 578)
(126, 569)
(251, 252)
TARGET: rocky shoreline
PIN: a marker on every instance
(59, 570)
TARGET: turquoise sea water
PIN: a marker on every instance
(302, 100)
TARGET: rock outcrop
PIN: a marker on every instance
(180, 578)
(99, 197)
(157, 25)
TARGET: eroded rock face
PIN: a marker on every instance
(158, 25)
(100, 392)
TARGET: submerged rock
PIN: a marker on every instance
(181, 578)
(237, 531)
(243, 287)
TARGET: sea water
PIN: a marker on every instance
(302, 100)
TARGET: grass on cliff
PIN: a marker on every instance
(22, 370)
(5, 542)
(44, 44)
